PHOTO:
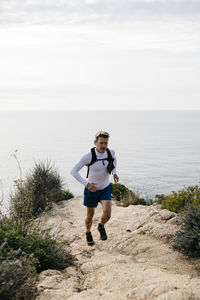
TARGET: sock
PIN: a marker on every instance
(88, 232)
(101, 225)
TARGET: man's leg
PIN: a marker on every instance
(88, 220)
(106, 206)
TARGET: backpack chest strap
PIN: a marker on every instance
(94, 158)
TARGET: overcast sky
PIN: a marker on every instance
(122, 54)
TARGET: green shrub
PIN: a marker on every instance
(125, 196)
(119, 191)
(37, 192)
(48, 253)
(187, 239)
(21, 206)
(17, 275)
(46, 185)
(24, 251)
(176, 201)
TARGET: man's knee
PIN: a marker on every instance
(90, 213)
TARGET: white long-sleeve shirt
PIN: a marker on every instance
(98, 173)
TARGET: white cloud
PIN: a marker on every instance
(85, 11)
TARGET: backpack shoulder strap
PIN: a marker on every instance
(94, 158)
(109, 155)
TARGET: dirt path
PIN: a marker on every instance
(135, 262)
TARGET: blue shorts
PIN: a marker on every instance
(91, 199)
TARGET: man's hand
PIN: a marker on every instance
(91, 187)
(116, 178)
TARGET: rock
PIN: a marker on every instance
(166, 214)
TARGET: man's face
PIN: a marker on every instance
(101, 144)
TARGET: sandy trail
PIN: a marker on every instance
(135, 262)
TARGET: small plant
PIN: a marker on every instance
(36, 193)
(187, 239)
(66, 194)
(46, 186)
(125, 196)
(21, 206)
(159, 198)
(149, 201)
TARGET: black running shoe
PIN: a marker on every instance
(102, 231)
(89, 238)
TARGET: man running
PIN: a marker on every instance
(97, 188)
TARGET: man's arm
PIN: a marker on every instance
(114, 171)
(85, 159)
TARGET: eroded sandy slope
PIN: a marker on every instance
(135, 262)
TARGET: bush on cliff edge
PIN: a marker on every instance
(187, 239)
(125, 196)
(177, 200)
(24, 251)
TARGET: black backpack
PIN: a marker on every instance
(110, 159)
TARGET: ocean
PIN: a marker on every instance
(157, 151)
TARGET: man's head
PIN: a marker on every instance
(101, 141)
